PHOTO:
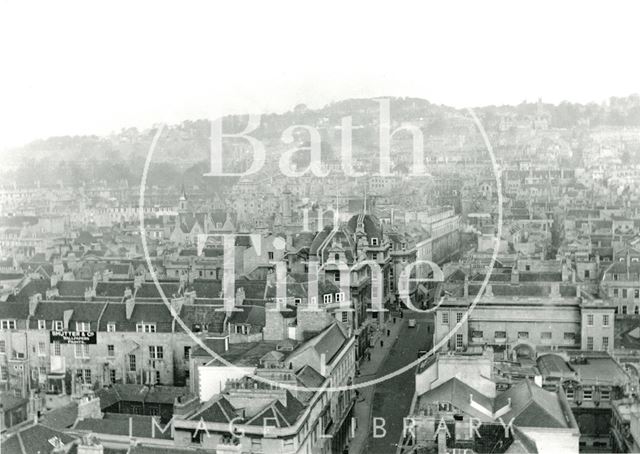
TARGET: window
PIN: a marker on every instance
(336, 257)
(55, 349)
(85, 375)
(624, 292)
(545, 335)
(112, 375)
(587, 393)
(589, 319)
(527, 267)
(156, 352)
(297, 301)
(111, 350)
(523, 334)
(636, 293)
(477, 334)
(132, 363)
(111, 327)
(187, 352)
(587, 274)
(8, 324)
(569, 393)
(605, 320)
(157, 376)
(339, 297)
(459, 342)
(83, 327)
(445, 318)
(345, 317)
(58, 325)
(328, 298)
(615, 277)
(624, 309)
(4, 373)
(500, 334)
(3, 346)
(605, 394)
(605, 343)
(615, 292)
(42, 324)
(81, 350)
(459, 316)
(374, 241)
(146, 327)
(589, 343)
(270, 255)
(42, 349)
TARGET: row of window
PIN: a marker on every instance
(625, 293)
(545, 335)
(605, 343)
(591, 318)
(587, 393)
(58, 325)
(82, 350)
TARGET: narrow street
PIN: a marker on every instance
(392, 398)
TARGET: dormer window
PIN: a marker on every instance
(42, 324)
(374, 241)
(297, 301)
(58, 325)
(146, 328)
(83, 327)
(339, 297)
(328, 298)
(7, 324)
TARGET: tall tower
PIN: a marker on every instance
(182, 203)
(285, 210)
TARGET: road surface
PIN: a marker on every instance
(392, 398)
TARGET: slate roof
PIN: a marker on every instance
(217, 410)
(17, 311)
(252, 315)
(532, 406)
(278, 414)
(33, 439)
(117, 424)
(73, 288)
(152, 312)
(84, 311)
(158, 394)
(61, 418)
(309, 377)
(33, 286)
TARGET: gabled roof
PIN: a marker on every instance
(217, 410)
(532, 406)
(275, 413)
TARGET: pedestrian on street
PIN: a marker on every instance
(381, 343)
(388, 332)
(394, 320)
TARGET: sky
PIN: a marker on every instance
(79, 67)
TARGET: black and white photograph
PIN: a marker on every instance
(339, 227)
